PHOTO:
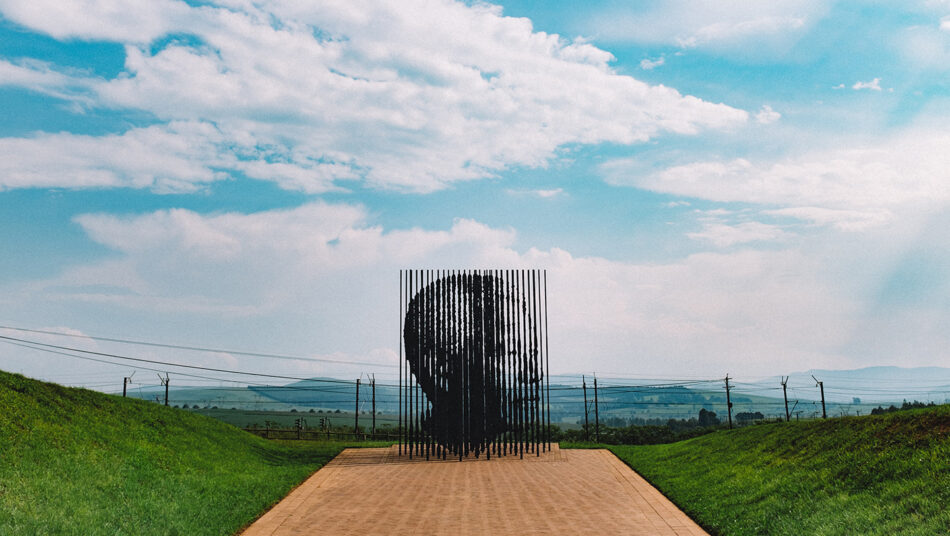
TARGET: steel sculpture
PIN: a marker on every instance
(475, 377)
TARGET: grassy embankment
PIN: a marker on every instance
(74, 461)
(873, 475)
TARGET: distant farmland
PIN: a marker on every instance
(285, 419)
(618, 405)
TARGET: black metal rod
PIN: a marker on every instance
(410, 385)
(535, 375)
(402, 313)
(428, 364)
(417, 387)
(477, 374)
(547, 355)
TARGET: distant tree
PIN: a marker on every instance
(311, 410)
(337, 411)
(293, 410)
(707, 418)
(746, 417)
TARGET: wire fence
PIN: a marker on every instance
(577, 401)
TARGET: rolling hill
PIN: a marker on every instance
(74, 461)
(871, 475)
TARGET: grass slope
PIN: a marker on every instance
(874, 475)
(74, 461)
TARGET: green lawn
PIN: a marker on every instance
(74, 461)
(875, 475)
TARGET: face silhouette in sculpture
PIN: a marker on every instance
(468, 343)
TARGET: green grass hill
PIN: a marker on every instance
(872, 475)
(74, 461)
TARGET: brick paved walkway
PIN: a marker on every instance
(373, 491)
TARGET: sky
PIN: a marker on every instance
(753, 188)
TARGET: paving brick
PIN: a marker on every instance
(374, 491)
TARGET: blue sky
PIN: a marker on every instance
(712, 186)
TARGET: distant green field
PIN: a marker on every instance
(874, 475)
(74, 461)
(286, 419)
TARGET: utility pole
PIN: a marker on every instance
(821, 385)
(785, 394)
(356, 426)
(125, 382)
(596, 413)
(586, 418)
(165, 383)
(373, 385)
(728, 402)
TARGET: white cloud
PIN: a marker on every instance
(874, 84)
(113, 20)
(40, 77)
(283, 248)
(906, 170)
(648, 64)
(176, 157)
(767, 115)
(37, 76)
(845, 220)
(727, 26)
(945, 24)
(413, 97)
(925, 47)
(740, 30)
(542, 193)
(725, 235)
(321, 278)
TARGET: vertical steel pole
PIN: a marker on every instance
(547, 355)
(356, 423)
(373, 386)
(728, 402)
(480, 296)
(416, 386)
(401, 314)
(526, 398)
(788, 417)
(506, 359)
(410, 389)
(434, 361)
(535, 374)
(586, 411)
(596, 413)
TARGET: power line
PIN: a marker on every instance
(153, 361)
(198, 348)
(613, 389)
